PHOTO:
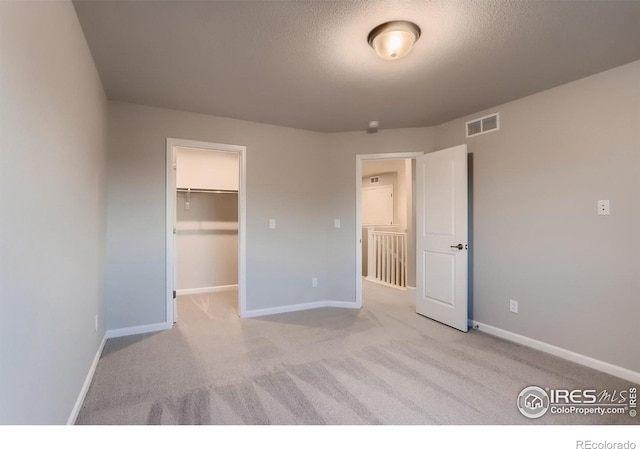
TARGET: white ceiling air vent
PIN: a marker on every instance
(483, 125)
(374, 180)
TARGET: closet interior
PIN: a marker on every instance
(206, 235)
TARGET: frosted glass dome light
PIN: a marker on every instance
(393, 40)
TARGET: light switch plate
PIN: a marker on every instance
(336, 223)
(604, 207)
(272, 223)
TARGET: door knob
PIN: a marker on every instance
(458, 246)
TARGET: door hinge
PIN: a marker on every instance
(174, 294)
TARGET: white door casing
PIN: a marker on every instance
(442, 236)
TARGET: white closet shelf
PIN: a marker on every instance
(190, 190)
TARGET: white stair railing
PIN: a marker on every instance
(387, 258)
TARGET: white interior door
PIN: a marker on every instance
(441, 236)
(377, 206)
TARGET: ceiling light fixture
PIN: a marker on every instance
(393, 40)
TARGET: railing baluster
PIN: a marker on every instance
(379, 276)
(394, 260)
(402, 267)
(379, 247)
(388, 258)
(404, 261)
(396, 240)
(384, 258)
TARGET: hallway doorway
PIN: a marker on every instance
(385, 221)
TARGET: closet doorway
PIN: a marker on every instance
(205, 222)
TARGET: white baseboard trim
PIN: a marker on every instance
(135, 330)
(581, 359)
(298, 307)
(85, 386)
(195, 291)
(342, 304)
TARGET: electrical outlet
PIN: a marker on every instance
(604, 207)
(96, 322)
(336, 223)
(272, 223)
(314, 282)
(513, 306)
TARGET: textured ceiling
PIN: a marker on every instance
(307, 64)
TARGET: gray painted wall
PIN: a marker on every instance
(52, 194)
(280, 262)
(538, 239)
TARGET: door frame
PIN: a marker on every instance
(172, 143)
(359, 159)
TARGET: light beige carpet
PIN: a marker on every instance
(383, 364)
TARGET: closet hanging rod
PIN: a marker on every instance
(187, 190)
